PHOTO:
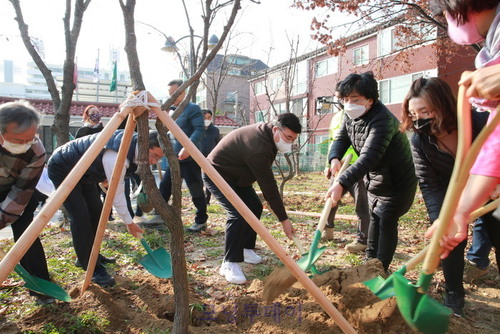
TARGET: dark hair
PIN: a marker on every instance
(439, 98)
(20, 112)
(288, 120)
(153, 139)
(364, 84)
(459, 9)
(206, 111)
(176, 82)
(85, 114)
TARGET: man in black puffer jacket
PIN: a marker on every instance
(84, 204)
(385, 162)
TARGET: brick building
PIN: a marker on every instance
(305, 85)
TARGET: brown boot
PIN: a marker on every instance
(355, 247)
(327, 234)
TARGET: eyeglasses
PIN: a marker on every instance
(421, 114)
(289, 139)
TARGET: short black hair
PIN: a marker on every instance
(153, 139)
(364, 84)
(288, 120)
(177, 82)
(207, 111)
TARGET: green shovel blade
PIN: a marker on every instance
(308, 259)
(157, 262)
(42, 286)
(418, 309)
(384, 288)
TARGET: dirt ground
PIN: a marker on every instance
(145, 302)
(142, 303)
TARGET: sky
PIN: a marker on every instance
(261, 31)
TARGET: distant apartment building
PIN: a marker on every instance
(26, 81)
(225, 88)
(305, 85)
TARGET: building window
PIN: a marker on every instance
(280, 108)
(300, 79)
(259, 88)
(234, 71)
(276, 83)
(298, 107)
(394, 90)
(259, 116)
(360, 55)
(386, 42)
(326, 67)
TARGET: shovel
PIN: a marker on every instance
(308, 260)
(418, 309)
(157, 262)
(384, 288)
(40, 285)
(281, 279)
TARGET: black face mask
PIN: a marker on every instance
(423, 125)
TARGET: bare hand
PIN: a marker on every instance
(288, 228)
(327, 173)
(335, 193)
(183, 154)
(483, 83)
(335, 166)
(135, 230)
(456, 233)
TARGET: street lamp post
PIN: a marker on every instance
(171, 46)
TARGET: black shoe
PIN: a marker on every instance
(197, 228)
(455, 302)
(106, 260)
(111, 218)
(102, 278)
(102, 258)
(43, 300)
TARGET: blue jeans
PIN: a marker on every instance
(481, 245)
(191, 173)
(239, 234)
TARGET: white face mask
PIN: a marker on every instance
(207, 122)
(283, 146)
(354, 110)
(15, 148)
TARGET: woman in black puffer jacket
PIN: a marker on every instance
(429, 110)
(384, 162)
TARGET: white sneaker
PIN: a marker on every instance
(232, 272)
(250, 256)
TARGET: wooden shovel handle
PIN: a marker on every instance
(108, 202)
(299, 245)
(456, 184)
(329, 204)
(55, 201)
(473, 216)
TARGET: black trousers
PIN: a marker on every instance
(84, 208)
(191, 173)
(34, 259)
(239, 234)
